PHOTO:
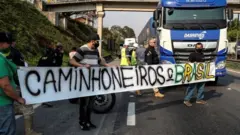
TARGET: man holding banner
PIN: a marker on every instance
(151, 58)
(87, 56)
(7, 88)
(196, 57)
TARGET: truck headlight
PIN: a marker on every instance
(221, 65)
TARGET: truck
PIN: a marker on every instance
(179, 24)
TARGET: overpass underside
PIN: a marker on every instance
(107, 6)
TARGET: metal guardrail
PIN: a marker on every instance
(233, 60)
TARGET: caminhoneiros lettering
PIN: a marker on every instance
(44, 84)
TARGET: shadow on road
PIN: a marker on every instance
(146, 106)
(227, 80)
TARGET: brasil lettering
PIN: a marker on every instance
(45, 84)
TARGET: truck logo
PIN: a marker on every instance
(191, 45)
(195, 35)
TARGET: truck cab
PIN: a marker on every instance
(180, 24)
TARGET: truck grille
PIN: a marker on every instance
(182, 50)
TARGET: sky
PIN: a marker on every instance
(134, 20)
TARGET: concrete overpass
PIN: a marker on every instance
(110, 5)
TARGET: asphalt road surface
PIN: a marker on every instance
(147, 115)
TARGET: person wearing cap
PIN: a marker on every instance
(27, 111)
(125, 56)
(196, 56)
(87, 56)
(7, 88)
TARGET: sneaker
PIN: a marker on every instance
(90, 125)
(83, 126)
(201, 102)
(187, 103)
(158, 95)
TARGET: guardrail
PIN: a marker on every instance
(233, 60)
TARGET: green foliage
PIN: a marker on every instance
(233, 30)
(233, 65)
(33, 31)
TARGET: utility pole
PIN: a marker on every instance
(236, 55)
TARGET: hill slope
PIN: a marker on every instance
(33, 31)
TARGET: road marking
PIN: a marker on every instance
(131, 96)
(229, 88)
(229, 70)
(131, 118)
(101, 124)
(34, 107)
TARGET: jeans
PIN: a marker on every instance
(191, 89)
(85, 109)
(7, 120)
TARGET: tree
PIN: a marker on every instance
(233, 30)
(128, 32)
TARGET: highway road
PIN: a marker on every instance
(147, 115)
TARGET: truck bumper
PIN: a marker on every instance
(221, 72)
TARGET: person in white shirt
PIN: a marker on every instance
(72, 53)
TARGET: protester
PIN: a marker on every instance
(134, 61)
(73, 52)
(27, 111)
(59, 52)
(7, 88)
(140, 52)
(87, 56)
(125, 57)
(152, 58)
(196, 56)
(49, 59)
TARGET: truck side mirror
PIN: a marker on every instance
(230, 14)
(156, 14)
(155, 24)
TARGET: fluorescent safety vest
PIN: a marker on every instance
(134, 58)
(124, 61)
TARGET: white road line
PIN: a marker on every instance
(131, 96)
(101, 124)
(34, 107)
(131, 118)
(229, 70)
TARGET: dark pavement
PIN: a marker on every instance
(168, 116)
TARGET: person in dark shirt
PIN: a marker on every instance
(196, 56)
(59, 55)
(152, 58)
(49, 58)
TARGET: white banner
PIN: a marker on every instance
(44, 84)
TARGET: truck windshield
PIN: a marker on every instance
(179, 18)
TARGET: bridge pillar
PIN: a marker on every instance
(100, 15)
